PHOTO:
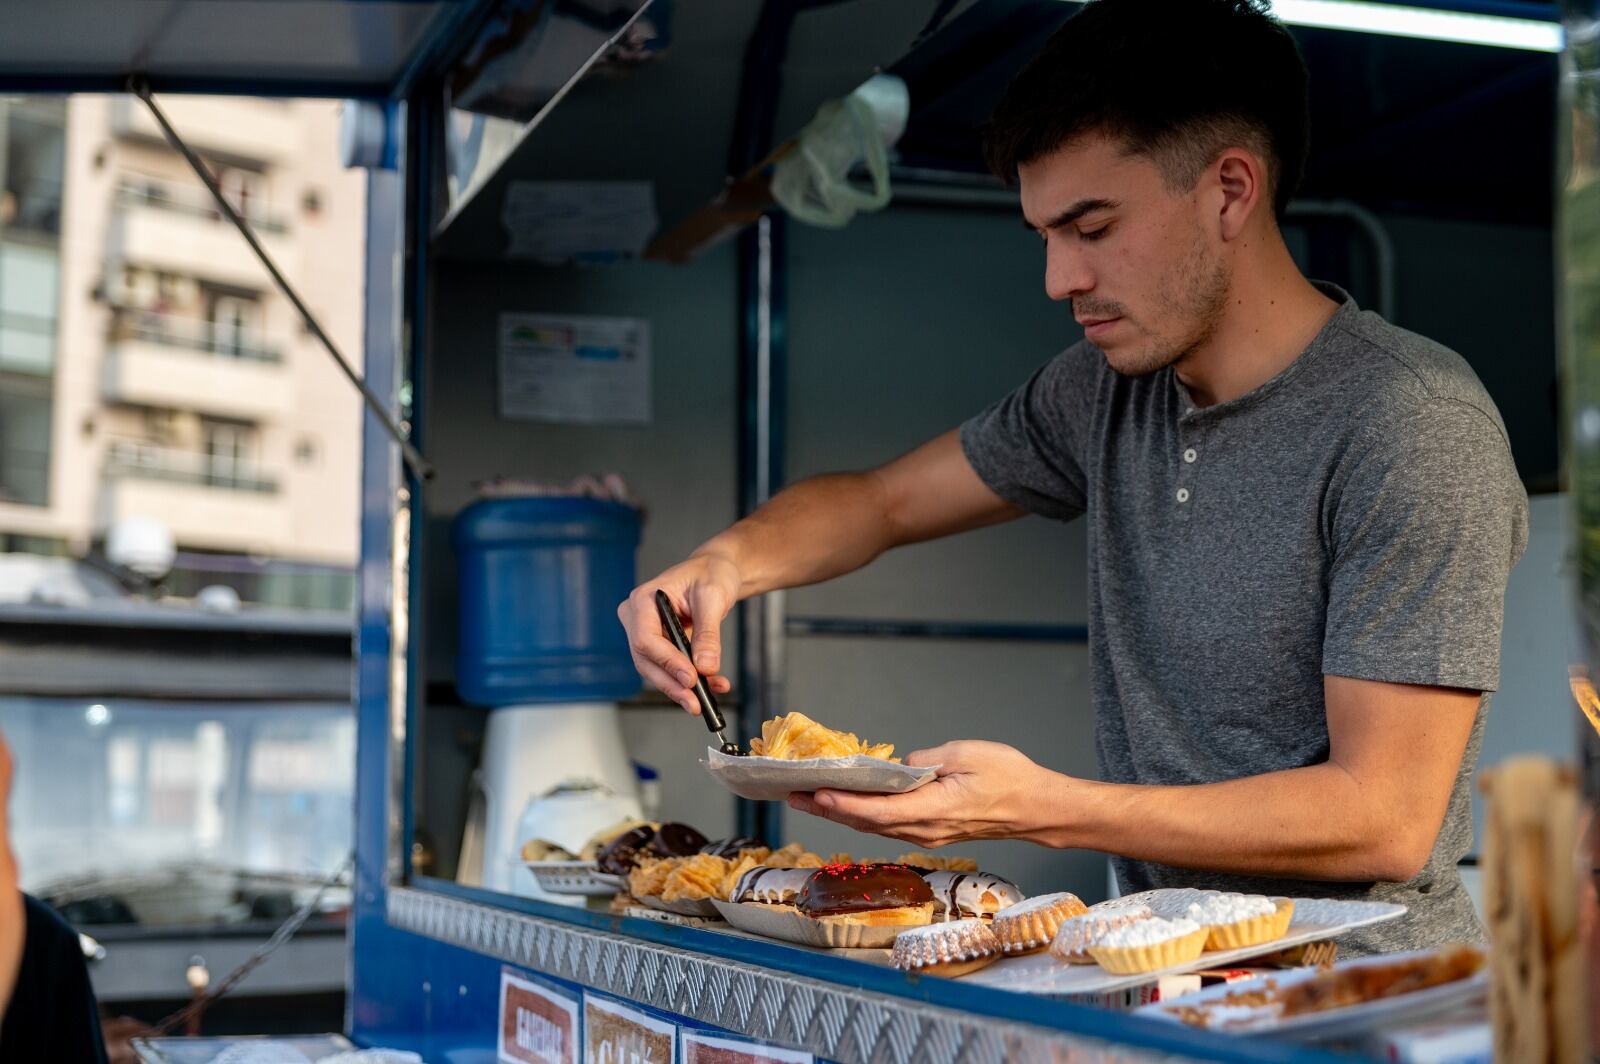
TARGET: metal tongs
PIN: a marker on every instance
(708, 705)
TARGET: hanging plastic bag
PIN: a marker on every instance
(812, 182)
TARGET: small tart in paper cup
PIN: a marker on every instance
(772, 779)
(1149, 945)
(1029, 925)
(948, 949)
(1255, 929)
(1078, 933)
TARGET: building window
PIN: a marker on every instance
(24, 440)
(231, 453)
(34, 155)
(29, 287)
(235, 325)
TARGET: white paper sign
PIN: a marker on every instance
(587, 222)
(575, 369)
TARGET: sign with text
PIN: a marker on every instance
(538, 1025)
(702, 1048)
(575, 369)
(616, 1034)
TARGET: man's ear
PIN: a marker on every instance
(1242, 178)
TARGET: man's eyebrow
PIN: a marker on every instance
(1072, 214)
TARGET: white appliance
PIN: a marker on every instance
(532, 751)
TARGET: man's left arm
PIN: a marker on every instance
(1370, 812)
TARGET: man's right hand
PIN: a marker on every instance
(703, 588)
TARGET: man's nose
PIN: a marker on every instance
(1066, 274)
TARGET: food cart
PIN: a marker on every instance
(457, 108)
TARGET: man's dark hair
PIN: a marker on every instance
(1177, 80)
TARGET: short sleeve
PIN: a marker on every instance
(1029, 447)
(1425, 530)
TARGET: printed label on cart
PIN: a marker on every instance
(538, 1025)
(616, 1034)
(575, 369)
(701, 1048)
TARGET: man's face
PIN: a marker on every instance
(1147, 279)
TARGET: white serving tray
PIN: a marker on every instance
(572, 877)
(1040, 973)
(1332, 1023)
(772, 779)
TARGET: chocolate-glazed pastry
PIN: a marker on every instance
(730, 847)
(855, 888)
(619, 856)
(676, 840)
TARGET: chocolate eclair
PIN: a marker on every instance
(875, 894)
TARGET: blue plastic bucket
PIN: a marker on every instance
(540, 580)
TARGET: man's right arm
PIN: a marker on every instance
(813, 531)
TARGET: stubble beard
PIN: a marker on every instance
(1189, 304)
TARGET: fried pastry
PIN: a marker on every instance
(648, 877)
(796, 737)
(694, 878)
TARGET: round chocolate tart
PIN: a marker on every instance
(676, 840)
(835, 890)
(619, 856)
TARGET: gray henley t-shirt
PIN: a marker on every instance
(1357, 515)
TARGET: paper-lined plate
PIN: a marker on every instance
(1330, 1023)
(772, 779)
(572, 877)
(683, 906)
(1314, 919)
(787, 925)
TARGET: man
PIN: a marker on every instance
(1301, 518)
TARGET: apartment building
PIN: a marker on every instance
(148, 368)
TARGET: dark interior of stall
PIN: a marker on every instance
(1429, 197)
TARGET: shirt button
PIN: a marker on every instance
(1190, 455)
(1183, 494)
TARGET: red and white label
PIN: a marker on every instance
(699, 1048)
(616, 1034)
(537, 1025)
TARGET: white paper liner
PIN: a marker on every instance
(789, 926)
(683, 906)
(773, 779)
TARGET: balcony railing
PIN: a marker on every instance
(194, 203)
(149, 461)
(194, 334)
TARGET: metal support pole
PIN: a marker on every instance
(763, 314)
(139, 86)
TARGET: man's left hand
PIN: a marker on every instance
(984, 790)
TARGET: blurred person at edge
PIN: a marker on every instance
(50, 1010)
